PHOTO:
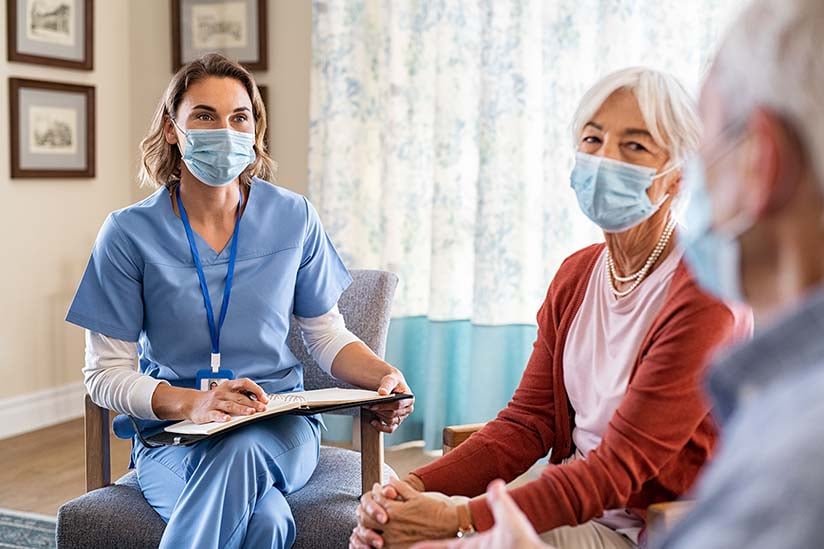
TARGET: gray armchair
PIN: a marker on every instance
(117, 515)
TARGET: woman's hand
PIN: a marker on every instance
(373, 507)
(512, 528)
(390, 415)
(358, 365)
(230, 398)
(413, 516)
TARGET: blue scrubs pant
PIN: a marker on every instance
(228, 491)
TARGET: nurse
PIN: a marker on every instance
(200, 281)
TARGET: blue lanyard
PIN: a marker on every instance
(214, 330)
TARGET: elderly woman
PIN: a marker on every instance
(612, 388)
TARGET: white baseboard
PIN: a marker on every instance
(26, 515)
(25, 413)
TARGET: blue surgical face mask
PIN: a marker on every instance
(613, 194)
(713, 254)
(217, 157)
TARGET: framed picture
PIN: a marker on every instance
(264, 94)
(236, 28)
(51, 32)
(52, 129)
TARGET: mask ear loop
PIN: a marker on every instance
(181, 130)
(668, 171)
(185, 137)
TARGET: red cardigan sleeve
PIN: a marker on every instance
(663, 407)
(510, 444)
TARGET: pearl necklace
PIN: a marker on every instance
(640, 275)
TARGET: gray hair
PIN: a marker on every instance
(771, 57)
(668, 110)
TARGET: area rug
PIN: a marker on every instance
(25, 530)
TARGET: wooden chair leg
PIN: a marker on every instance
(98, 464)
(356, 434)
(371, 451)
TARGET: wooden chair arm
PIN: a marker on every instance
(455, 435)
(97, 446)
(662, 516)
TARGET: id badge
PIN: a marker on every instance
(208, 379)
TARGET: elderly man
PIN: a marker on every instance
(757, 224)
(760, 189)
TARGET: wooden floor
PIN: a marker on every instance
(41, 470)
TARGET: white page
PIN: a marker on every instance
(338, 396)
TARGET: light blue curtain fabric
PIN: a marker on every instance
(440, 150)
(469, 371)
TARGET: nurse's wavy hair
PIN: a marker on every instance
(161, 160)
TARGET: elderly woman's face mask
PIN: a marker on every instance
(613, 194)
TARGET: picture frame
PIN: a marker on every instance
(236, 28)
(58, 33)
(52, 129)
(263, 90)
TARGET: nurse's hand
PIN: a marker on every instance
(230, 398)
(358, 365)
(390, 415)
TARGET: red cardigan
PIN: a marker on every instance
(655, 444)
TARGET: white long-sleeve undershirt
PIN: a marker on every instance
(112, 380)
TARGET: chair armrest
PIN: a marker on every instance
(662, 516)
(456, 434)
(371, 448)
(97, 446)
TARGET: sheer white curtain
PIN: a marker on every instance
(439, 142)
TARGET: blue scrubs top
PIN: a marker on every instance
(141, 285)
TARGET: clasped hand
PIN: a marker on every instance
(398, 514)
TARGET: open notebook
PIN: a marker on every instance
(303, 402)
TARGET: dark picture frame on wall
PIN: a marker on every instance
(264, 95)
(58, 33)
(236, 28)
(52, 129)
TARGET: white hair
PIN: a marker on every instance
(668, 110)
(771, 57)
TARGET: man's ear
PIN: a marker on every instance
(760, 163)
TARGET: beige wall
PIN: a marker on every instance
(49, 225)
